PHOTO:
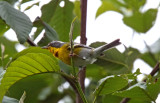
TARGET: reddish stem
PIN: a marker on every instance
(83, 40)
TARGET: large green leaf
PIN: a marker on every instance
(17, 20)
(141, 22)
(27, 65)
(111, 84)
(32, 50)
(33, 86)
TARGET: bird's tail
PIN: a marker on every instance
(99, 50)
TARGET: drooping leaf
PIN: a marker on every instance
(17, 20)
(27, 65)
(62, 25)
(49, 35)
(111, 84)
(9, 50)
(141, 22)
(57, 19)
(48, 11)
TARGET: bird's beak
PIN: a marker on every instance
(45, 47)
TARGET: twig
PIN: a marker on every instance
(31, 42)
(125, 100)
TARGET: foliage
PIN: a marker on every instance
(37, 72)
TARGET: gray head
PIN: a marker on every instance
(56, 44)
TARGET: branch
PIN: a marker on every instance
(83, 40)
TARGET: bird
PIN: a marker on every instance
(81, 54)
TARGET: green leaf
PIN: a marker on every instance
(131, 54)
(95, 71)
(141, 22)
(17, 20)
(3, 27)
(9, 50)
(48, 11)
(137, 91)
(111, 99)
(135, 4)
(153, 89)
(109, 5)
(27, 65)
(49, 35)
(152, 57)
(148, 59)
(110, 84)
(56, 17)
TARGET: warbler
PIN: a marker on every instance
(82, 54)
